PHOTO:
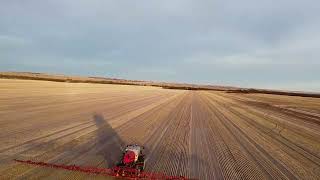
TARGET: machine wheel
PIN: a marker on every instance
(139, 168)
(141, 159)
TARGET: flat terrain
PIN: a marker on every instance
(198, 134)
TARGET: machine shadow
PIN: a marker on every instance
(107, 141)
(160, 160)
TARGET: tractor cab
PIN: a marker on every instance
(132, 157)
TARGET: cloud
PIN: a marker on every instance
(7, 42)
(229, 42)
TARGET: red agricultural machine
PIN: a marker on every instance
(130, 166)
(132, 158)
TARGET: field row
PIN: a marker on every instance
(197, 134)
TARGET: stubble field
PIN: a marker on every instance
(197, 134)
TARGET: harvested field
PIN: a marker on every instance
(198, 134)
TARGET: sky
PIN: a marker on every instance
(272, 44)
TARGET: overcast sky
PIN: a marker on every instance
(248, 43)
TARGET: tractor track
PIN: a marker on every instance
(291, 149)
(196, 134)
(242, 160)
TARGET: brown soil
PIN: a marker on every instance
(198, 134)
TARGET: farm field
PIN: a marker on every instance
(197, 134)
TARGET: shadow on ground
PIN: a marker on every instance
(108, 141)
(160, 160)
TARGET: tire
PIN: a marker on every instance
(144, 165)
(141, 158)
(140, 168)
